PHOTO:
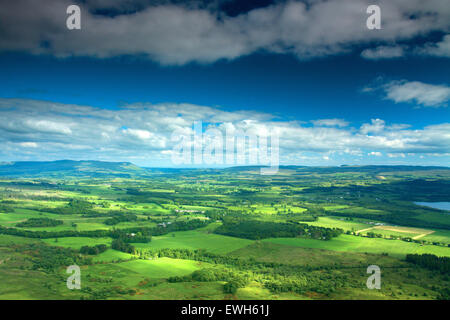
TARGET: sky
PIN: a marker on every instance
(310, 72)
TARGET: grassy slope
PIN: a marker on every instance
(162, 267)
(359, 244)
(196, 240)
(77, 242)
(267, 251)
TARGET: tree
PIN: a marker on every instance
(230, 287)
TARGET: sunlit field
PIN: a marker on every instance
(167, 237)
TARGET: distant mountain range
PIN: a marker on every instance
(69, 168)
(89, 168)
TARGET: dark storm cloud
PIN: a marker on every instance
(203, 31)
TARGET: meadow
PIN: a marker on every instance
(162, 268)
(163, 234)
(195, 240)
(347, 243)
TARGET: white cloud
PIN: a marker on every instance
(436, 49)
(181, 33)
(439, 49)
(140, 134)
(330, 123)
(375, 153)
(143, 132)
(28, 144)
(428, 95)
(48, 126)
(383, 52)
(419, 93)
(394, 155)
(376, 126)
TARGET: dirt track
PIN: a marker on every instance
(362, 230)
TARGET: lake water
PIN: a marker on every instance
(435, 205)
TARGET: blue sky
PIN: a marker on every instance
(352, 98)
(280, 84)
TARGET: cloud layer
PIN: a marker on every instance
(174, 33)
(415, 92)
(41, 130)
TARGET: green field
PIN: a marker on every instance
(77, 242)
(191, 234)
(162, 267)
(439, 236)
(195, 240)
(334, 222)
(348, 243)
(111, 255)
(271, 251)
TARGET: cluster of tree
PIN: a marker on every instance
(430, 261)
(142, 234)
(374, 235)
(39, 222)
(10, 202)
(97, 214)
(277, 277)
(204, 256)
(110, 213)
(93, 250)
(396, 237)
(208, 275)
(120, 218)
(176, 226)
(286, 285)
(74, 206)
(49, 258)
(53, 234)
(6, 208)
(135, 192)
(231, 287)
(66, 210)
(139, 196)
(444, 294)
(294, 217)
(317, 282)
(79, 204)
(315, 211)
(234, 278)
(103, 293)
(120, 245)
(242, 264)
(255, 229)
(395, 217)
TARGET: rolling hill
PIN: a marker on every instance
(69, 168)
